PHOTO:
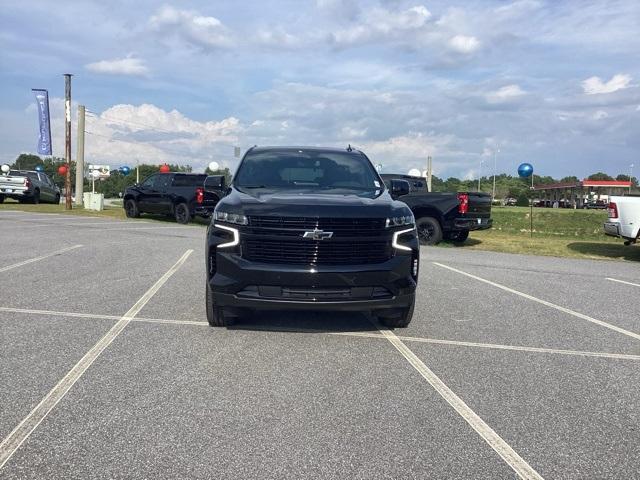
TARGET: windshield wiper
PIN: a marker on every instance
(251, 186)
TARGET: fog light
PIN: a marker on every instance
(415, 267)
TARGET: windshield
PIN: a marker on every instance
(299, 169)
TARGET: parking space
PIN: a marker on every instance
(484, 383)
(36, 353)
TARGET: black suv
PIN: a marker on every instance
(310, 228)
(180, 195)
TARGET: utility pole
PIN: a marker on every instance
(495, 166)
(137, 171)
(480, 173)
(67, 138)
(80, 158)
(630, 177)
(429, 173)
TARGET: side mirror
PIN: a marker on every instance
(399, 188)
(215, 183)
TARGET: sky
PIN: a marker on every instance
(473, 83)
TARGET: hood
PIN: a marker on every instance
(310, 204)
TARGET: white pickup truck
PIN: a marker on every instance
(28, 186)
(624, 218)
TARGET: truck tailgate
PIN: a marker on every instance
(8, 181)
(11, 185)
(210, 199)
(479, 205)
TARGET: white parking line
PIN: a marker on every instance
(436, 341)
(502, 448)
(19, 434)
(622, 281)
(544, 302)
(517, 348)
(31, 260)
(54, 313)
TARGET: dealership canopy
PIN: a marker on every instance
(580, 191)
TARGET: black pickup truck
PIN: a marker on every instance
(181, 195)
(444, 215)
(310, 229)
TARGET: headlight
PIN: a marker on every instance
(234, 232)
(395, 242)
(400, 221)
(230, 218)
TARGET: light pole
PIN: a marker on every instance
(495, 165)
(630, 176)
(480, 172)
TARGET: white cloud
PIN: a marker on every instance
(277, 37)
(119, 66)
(518, 8)
(377, 24)
(464, 44)
(149, 134)
(351, 132)
(599, 115)
(595, 85)
(504, 94)
(405, 151)
(188, 25)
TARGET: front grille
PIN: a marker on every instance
(316, 252)
(315, 294)
(295, 226)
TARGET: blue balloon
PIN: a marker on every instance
(525, 170)
(39, 168)
(125, 170)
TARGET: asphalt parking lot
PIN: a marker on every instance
(512, 367)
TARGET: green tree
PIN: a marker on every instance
(26, 161)
(522, 200)
(600, 176)
(569, 179)
(625, 178)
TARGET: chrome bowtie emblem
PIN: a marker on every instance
(316, 234)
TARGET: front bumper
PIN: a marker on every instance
(472, 223)
(244, 284)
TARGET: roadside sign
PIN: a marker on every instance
(102, 171)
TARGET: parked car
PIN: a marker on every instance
(28, 186)
(596, 204)
(444, 215)
(624, 218)
(310, 229)
(181, 195)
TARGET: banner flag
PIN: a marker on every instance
(44, 139)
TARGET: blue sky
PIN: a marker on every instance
(553, 83)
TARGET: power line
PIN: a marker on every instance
(117, 120)
(140, 143)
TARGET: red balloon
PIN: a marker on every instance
(164, 168)
(62, 170)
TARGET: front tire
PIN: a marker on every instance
(215, 314)
(182, 213)
(429, 231)
(402, 318)
(1, 198)
(36, 197)
(131, 209)
(57, 199)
